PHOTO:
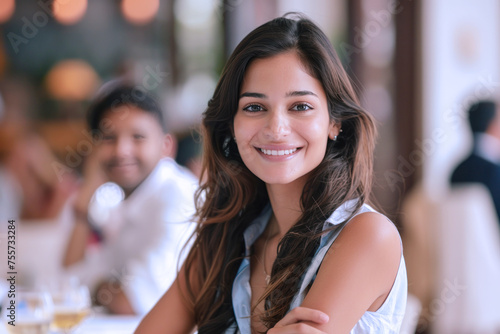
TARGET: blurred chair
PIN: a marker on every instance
(467, 277)
(452, 250)
(418, 222)
(41, 247)
(412, 315)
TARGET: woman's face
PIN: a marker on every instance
(282, 124)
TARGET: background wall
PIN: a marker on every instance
(460, 64)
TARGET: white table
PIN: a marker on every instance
(109, 324)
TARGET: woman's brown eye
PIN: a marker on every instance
(253, 108)
(302, 107)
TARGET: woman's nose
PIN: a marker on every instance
(278, 125)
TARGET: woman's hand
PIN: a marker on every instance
(295, 321)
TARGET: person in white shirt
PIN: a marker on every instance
(142, 239)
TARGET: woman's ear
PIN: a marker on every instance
(334, 130)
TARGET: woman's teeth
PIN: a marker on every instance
(278, 152)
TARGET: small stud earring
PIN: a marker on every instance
(335, 138)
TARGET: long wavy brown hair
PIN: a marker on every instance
(232, 196)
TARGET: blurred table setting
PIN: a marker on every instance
(39, 277)
(99, 323)
(109, 324)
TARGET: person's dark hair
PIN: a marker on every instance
(481, 114)
(232, 196)
(117, 96)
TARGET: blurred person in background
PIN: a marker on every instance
(30, 190)
(31, 193)
(189, 153)
(142, 238)
(482, 165)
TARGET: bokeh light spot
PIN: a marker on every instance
(140, 11)
(69, 11)
(72, 80)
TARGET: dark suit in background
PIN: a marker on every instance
(483, 163)
(480, 170)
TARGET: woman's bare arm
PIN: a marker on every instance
(356, 275)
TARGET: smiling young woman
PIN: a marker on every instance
(286, 242)
(282, 125)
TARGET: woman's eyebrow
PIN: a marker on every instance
(300, 93)
(251, 94)
(263, 96)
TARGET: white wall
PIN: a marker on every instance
(461, 62)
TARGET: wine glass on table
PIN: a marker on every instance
(27, 312)
(71, 306)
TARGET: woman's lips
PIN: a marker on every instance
(278, 154)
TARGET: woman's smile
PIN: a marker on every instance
(276, 154)
(282, 124)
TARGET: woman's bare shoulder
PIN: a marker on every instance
(358, 270)
(371, 230)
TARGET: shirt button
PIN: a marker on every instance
(244, 310)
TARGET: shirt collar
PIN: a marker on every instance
(341, 213)
(488, 147)
(255, 229)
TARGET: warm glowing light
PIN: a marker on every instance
(69, 11)
(72, 80)
(7, 8)
(140, 11)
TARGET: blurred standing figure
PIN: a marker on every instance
(142, 236)
(483, 163)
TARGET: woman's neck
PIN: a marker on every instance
(285, 201)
